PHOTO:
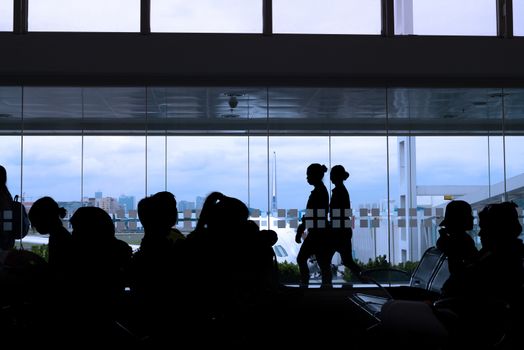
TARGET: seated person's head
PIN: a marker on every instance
(228, 211)
(158, 212)
(458, 216)
(499, 223)
(45, 215)
(92, 224)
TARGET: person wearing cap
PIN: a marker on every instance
(455, 242)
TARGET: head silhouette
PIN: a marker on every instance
(315, 173)
(45, 215)
(228, 211)
(338, 174)
(158, 212)
(5, 195)
(458, 216)
(92, 224)
(3, 176)
(499, 223)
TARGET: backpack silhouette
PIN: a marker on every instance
(14, 224)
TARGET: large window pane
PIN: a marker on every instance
(327, 17)
(259, 181)
(365, 159)
(52, 167)
(200, 165)
(475, 175)
(84, 15)
(114, 177)
(292, 155)
(225, 16)
(445, 17)
(6, 15)
(156, 164)
(518, 17)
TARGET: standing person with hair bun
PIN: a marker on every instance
(315, 224)
(341, 231)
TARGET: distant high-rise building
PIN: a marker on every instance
(200, 202)
(109, 204)
(98, 195)
(185, 205)
(127, 202)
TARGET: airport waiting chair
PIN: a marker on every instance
(425, 283)
(489, 321)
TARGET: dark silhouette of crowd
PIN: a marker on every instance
(221, 281)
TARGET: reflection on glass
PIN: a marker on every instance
(327, 17)
(84, 15)
(206, 16)
(6, 15)
(445, 17)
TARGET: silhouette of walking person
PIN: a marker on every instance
(341, 231)
(314, 223)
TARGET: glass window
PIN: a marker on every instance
(475, 175)
(199, 165)
(6, 15)
(206, 16)
(518, 17)
(52, 167)
(114, 175)
(292, 155)
(327, 17)
(84, 16)
(156, 164)
(445, 17)
(10, 159)
(365, 159)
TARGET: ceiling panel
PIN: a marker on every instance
(257, 110)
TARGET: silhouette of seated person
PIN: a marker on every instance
(6, 242)
(489, 292)
(459, 247)
(100, 263)
(455, 242)
(482, 303)
(268, 261)
(231, 250)
(46, 218)
(157, 277)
